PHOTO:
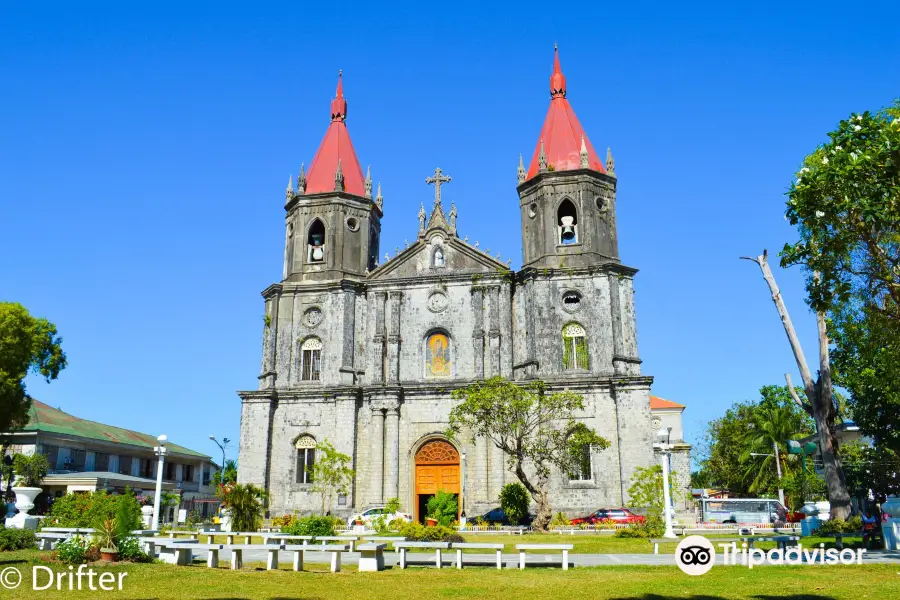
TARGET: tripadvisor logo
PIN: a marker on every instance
(695, 555)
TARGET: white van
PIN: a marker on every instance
(741, 510)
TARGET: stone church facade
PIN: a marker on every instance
(365, 353)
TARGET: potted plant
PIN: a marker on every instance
(106, 537)
(146, 503)
(29, 471)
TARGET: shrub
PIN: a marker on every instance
(72, 550)
(82, 509)
(245, 505)
(416, 532)
(310, 526)
(514, 502)
(130, 550)
(652, 527)
(31, 469)
(16, 539)
(443, 507)
(283, 521)
(559, 520)
(833, 526)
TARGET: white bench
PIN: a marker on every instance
(438, 547)
(371, 556)
(462, 546)
(386, 539)
(522, 548)
(283, 538)
(176, 552)
(46, 541)
(300, 551)
(69, 530)
(344, 539)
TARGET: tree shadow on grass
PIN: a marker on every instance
(15, 561)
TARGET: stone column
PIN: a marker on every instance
(478, 333)
(394, 338)
(379, 338)
(377, 433)
(267, 372)
(392, 454)
(498, 466)
(494, 332)
(619, 366)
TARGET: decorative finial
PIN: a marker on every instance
(406, 243)
(542, 158)
(584, 154)
(396, 250)
(521, 170)
(487, 251)
(289, 192)
(369, 181)
(301, 180)
(508, 261)
(339, 178)
(466, 239)
(476, 243)
(422, 216)
(453, 217)
(378, 199)
(555, 47)
(387, 257)
(367, 270)
(498, 256)
(610, 163)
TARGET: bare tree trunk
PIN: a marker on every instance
(818, 393)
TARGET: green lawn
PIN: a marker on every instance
(620, 583)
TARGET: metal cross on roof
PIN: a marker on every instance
(437, 180)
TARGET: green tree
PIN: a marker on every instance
(534, 428)
(845, 204)
(27, 344)
(227, 475)
(514, 502)
(245, 506)
(768, 434)
(331, 473)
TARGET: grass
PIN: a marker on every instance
(620, 583)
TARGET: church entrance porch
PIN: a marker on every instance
(436, 468)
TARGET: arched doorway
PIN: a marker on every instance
(437, 468)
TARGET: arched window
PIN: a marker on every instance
(575, 350)
(568, 222)
(306, 458)
(583, 470)
(316, 242)
(437, 355)
(310, 359)
(438, 257)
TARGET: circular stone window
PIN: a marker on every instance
(352, 224)
(571, 301)
(656, 423)
(312, 316)
(532, 210)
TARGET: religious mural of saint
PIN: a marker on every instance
(438, 355)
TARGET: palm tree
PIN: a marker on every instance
(772, 428)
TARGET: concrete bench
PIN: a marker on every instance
(284, 538)
(386, 539)
(344, 539)
(46, 541)
(522, 548)
(371, 556)
(172, 534)
(782, 541)
(438, 547)
(69, 530)
(300, 551)
(459, 547)
(237, 554)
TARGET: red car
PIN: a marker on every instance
(617, 515)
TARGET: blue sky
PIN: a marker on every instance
(145, 149)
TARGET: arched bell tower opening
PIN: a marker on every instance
(436, 467)
(567, 223)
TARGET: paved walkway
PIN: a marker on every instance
(512, 560)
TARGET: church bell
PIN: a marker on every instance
(568, 229)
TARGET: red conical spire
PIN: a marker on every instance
(336, 149)
(562, 134)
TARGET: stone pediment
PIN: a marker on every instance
(436, 254)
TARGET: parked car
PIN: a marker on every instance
(619, 515)
(369, 515)
(498, 515)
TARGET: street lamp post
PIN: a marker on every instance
(665, 449)
(160, 451)
(222, 447)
